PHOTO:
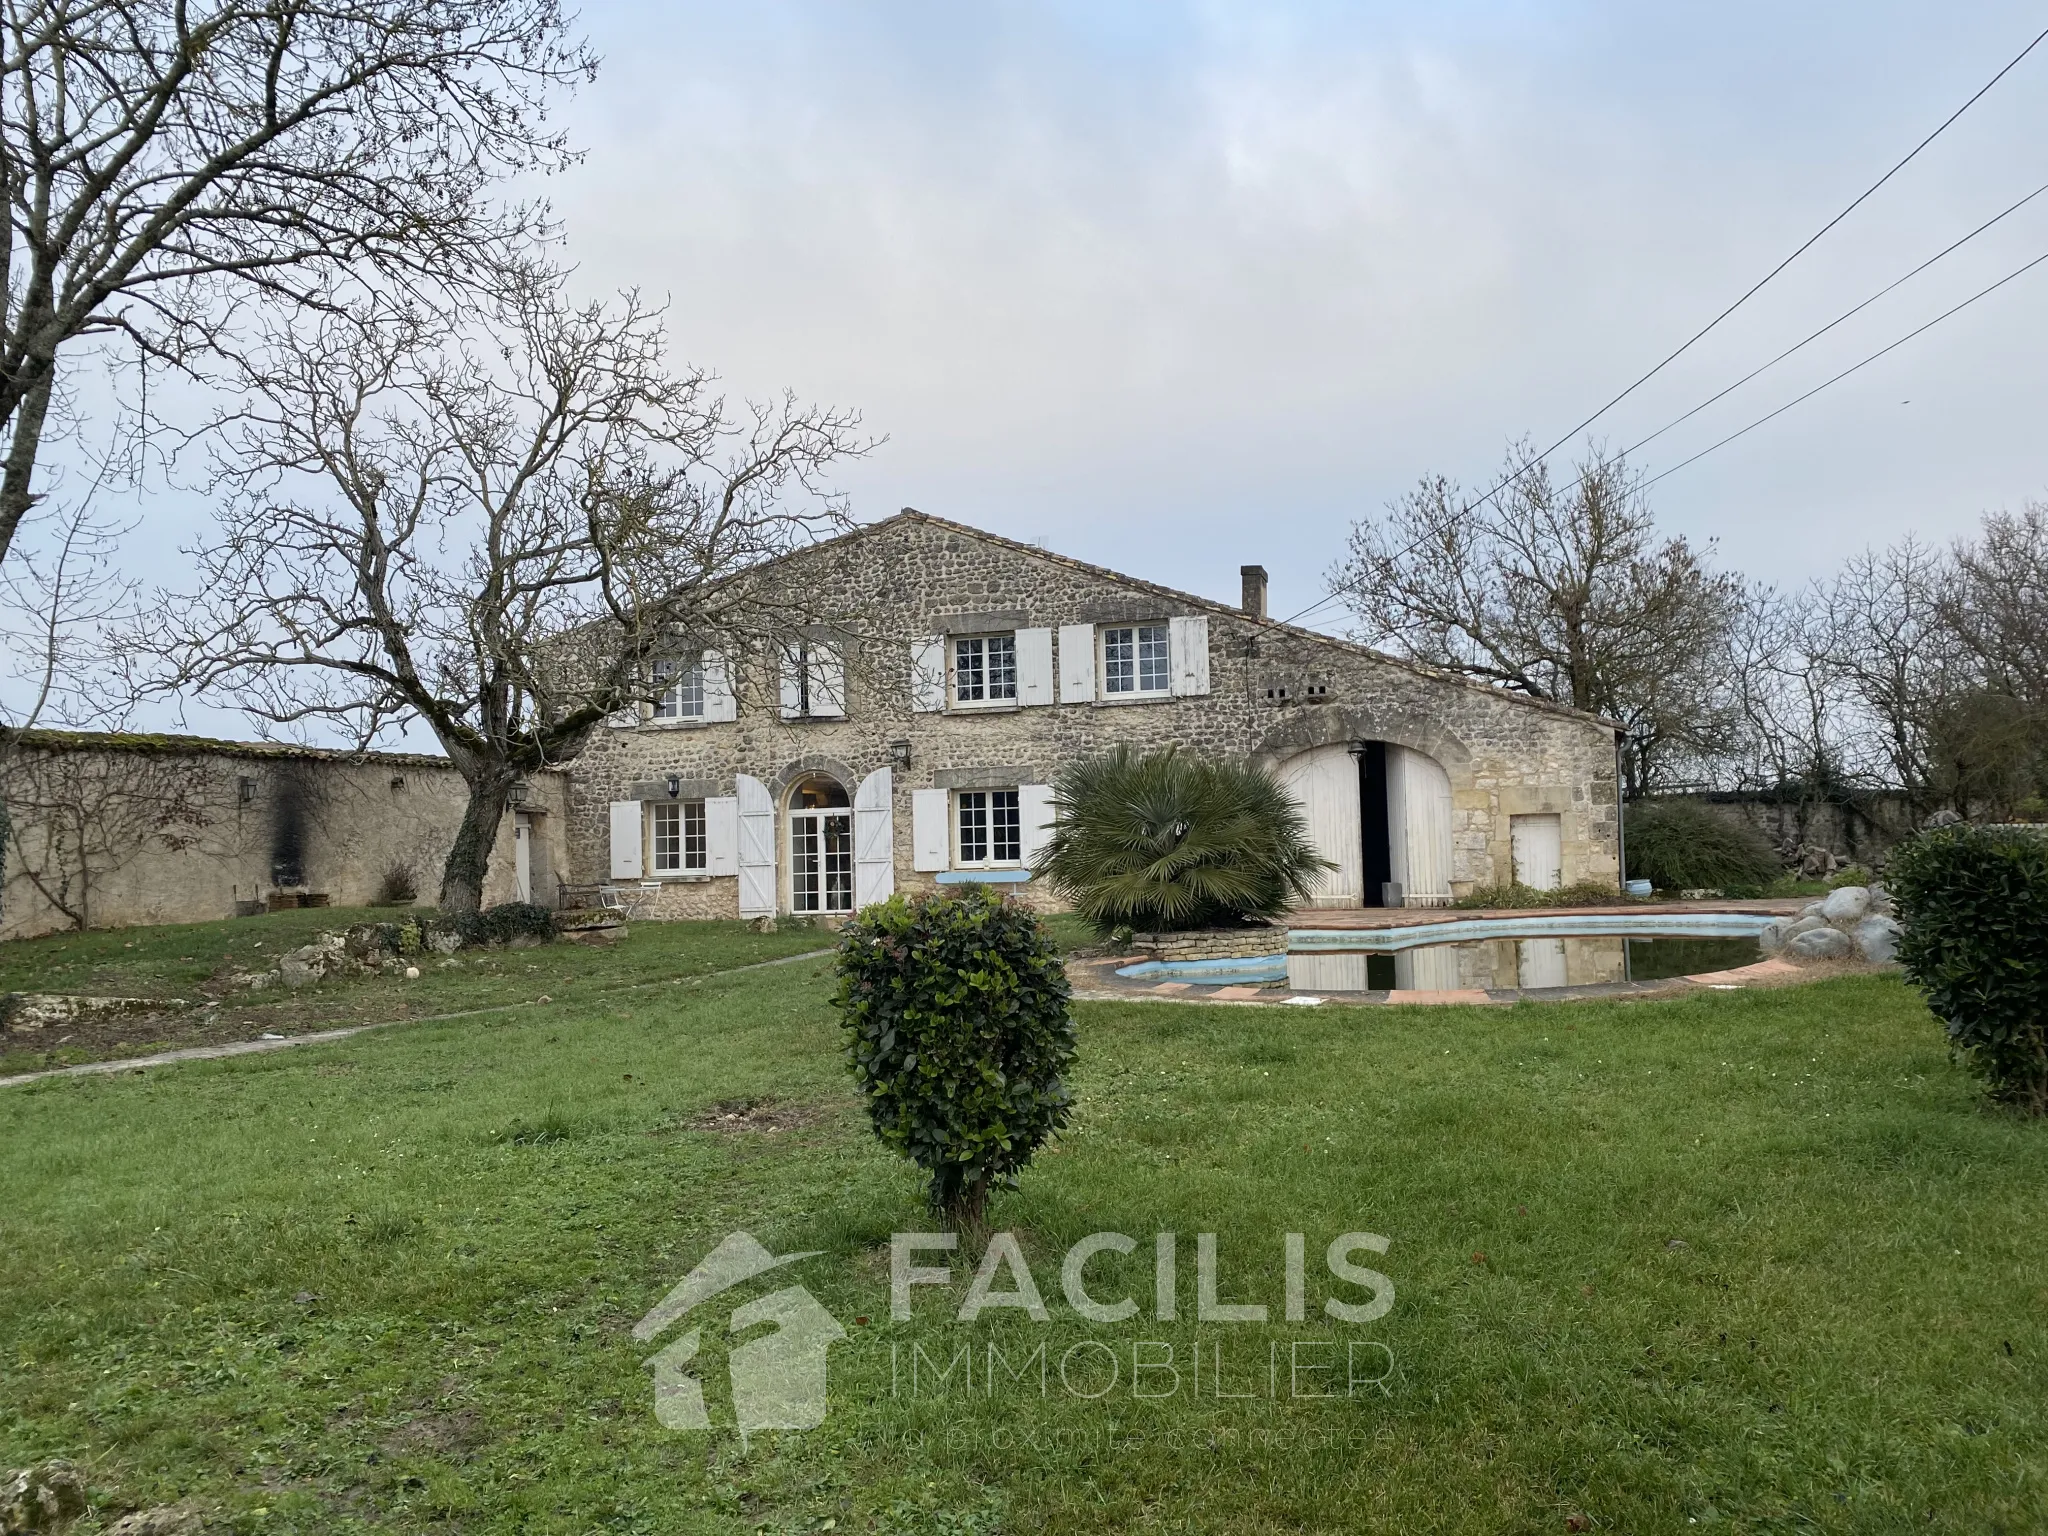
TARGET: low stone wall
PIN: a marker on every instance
(1211, 944)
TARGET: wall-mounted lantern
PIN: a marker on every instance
(517, 791)
(246, 787)
(398, 781)
(899, 753)
(675, 785)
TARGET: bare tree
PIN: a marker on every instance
(497, 536)
(1564, 593)
(162, 161)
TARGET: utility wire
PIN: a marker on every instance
(1747, 295)
(1845, 315)
(1808, 245)
(1852, 368)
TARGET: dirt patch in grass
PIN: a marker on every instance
(733, 1116)
(436, 1434)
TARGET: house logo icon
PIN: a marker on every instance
(778, 1380)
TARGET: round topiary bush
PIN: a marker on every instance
(1169, 840)
(1681, 845)
(955, 1017)
(1974, 901)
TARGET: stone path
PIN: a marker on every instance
(321, 1037)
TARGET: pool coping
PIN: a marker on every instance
(1096, 979)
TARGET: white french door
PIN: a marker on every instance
(821, 861)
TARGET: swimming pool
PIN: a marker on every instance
(1493, 953)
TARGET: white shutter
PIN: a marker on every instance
(756, 847)
(626, 819)
(928, 675)
(792, 684)
(1188, 648)
(931, 832)
(828, 682)
(1077, 663)
(719, 702)
(722, 835)
(1034, 666)
(1034, 818)
(874, 839)
(1419, 826)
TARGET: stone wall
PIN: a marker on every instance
(1274, 691)
(1243, 943)
(1862, 831)
(179, 829)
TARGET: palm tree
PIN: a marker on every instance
(1168, 841)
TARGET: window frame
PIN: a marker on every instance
(954, 697)
(692, 840)
(683, 678)
(989, 833)
(1136, 629)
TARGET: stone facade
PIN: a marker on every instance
(130, 829)
(1272, 691)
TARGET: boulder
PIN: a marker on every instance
(1805, 922)
(1813, 909)
(1877, 936)
(41, 1499)
(1845, 907)
(1821, 944)
(1772, 938)
(1881, 901)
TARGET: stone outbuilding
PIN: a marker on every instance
(915, 745)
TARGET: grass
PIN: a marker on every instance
(191, 961)
(1755, 1260)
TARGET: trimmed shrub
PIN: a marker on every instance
(1680, 845)
(506, 923)
(1170, 841)
(1974, 902)
(955, 1017)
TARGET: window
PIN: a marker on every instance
(676, 830)
(813, 682)
(1135, 660)
(683, 699)
(985, 670)
(989, 828)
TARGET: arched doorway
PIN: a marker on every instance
(1381, 813)
(820, 828)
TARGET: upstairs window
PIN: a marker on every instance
(683, 698)
(985, 670)
(676, 837)
(1136, 659)
(990, 829)
(813, 681)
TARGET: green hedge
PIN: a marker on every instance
(1974, 902)
(1681, 845)
(955, 1017)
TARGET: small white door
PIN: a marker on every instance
(522, 854)
(1419, 827)
(1324, 781)
(1538, 846)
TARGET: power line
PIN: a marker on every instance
(1845, 315)
(1806, 246)
(1746, 296)
(1852, 368)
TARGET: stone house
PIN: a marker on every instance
(914, 744)
(107, 830)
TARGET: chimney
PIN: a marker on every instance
(1254, 590)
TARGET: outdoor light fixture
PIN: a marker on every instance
(516, 791)
(1357, 751)
(675, 785)
(247, 788)
(398, 781)
(899, 753)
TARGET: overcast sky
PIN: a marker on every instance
(1180, 287)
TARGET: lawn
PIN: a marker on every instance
(1755, 1261)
